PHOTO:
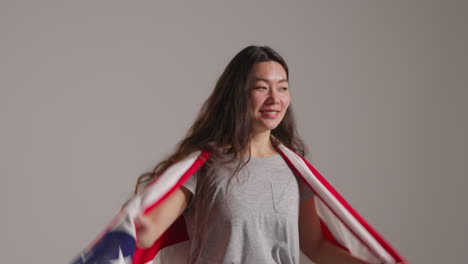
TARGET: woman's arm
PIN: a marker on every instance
(312, 242)
(151, 226)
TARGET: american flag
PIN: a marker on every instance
(116, 246)
(341, 224)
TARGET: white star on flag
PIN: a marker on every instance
(121, 259)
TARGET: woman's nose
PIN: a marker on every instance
(273, 96)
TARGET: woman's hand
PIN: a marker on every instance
(151, 226)
(145, 232)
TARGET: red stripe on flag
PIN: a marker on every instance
(328, 235)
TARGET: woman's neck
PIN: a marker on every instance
(260, 145)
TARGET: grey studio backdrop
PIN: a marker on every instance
(94, 93)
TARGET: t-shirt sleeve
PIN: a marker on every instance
(191, 183)
(305, 192)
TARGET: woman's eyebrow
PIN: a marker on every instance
(265, 80)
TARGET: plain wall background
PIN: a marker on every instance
(94, 93)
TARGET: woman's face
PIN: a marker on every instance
(269, 96)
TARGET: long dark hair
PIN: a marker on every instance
(224, 121)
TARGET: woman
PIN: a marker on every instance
(244, 204)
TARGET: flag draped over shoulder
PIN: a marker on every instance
(340, 223)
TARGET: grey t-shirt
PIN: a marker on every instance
(256, 221)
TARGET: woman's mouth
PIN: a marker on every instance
(270, 114)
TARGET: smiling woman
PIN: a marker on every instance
(253, 218)
(241, 124)
(270, 96)
(254, 199)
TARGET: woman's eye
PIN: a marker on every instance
(284, 88)
(260, 88)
